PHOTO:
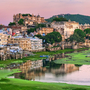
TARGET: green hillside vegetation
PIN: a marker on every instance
(82, 19)
(59, 19)
(12, 23)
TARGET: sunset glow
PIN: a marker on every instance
(46, 8)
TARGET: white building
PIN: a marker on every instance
(27, 43)
(65, 28)
(36, 43)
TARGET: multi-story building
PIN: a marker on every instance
(30, 44)
(3, 38)
(69, 28)
(66, 29)
(28, 19)
(24, 43)
(44, 31)
(36, 44)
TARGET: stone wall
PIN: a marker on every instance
(53, 49)
(39, 50)
(57, 56)
(11, 56)
(70, 45)
(87, 43)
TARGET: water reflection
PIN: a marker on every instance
(51, 72)
(30, 70)
(64, 69)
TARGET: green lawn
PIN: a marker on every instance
(6, 73)
(76, 58)
(17, 84)
(33, 58)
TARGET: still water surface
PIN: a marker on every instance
(51, 72)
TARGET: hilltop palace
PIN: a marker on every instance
(28, 19)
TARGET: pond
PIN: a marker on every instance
(51, 72)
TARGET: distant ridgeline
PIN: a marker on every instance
(82, 19)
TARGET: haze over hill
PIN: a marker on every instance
(82, 19)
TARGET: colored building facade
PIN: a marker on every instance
(44, 31)
(29, 43)
(24, 43)
(3, 39)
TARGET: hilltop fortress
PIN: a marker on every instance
(28, 19)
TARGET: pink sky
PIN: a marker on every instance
(46, 8)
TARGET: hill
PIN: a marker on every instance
(82, 19)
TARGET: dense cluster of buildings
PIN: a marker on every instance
(26, 43)
(12, 35)
(28, 19)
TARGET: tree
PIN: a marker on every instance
(30, 30)
(39, 36)
(52, 41)
(77, 38)
(80, 33)
(34, 29)
(21, 22)
(12, 23)
(26, 14)
(87, 31)
(53, 37)
(40, 25)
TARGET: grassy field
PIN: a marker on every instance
(76, 58)
(36, 57)
(17, 84)
(6, 73)
(33, 58)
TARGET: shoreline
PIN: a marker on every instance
(37, 56)
(37, 85)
